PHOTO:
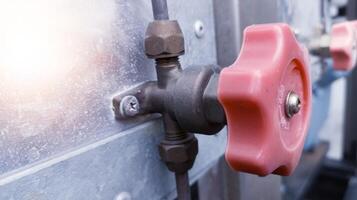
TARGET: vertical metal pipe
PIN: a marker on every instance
(166, 70)
(323, 10)
(183, 186)
(159, 8)
(325, 18)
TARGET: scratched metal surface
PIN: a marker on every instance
(58, 137)
(104, 56)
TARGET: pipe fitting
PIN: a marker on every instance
(179, 155)
(164, 38)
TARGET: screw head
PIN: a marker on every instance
(129, 106)
(199, 29)
(292, 104)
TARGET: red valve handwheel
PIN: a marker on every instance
(343, 45)
(253, 91)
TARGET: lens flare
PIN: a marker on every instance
(42, 41)
(28, 54)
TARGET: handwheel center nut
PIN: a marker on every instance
(292, 104)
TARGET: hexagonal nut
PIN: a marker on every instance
(179, 153)
(164, 38)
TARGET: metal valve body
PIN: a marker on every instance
(202, 100)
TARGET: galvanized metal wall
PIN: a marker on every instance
(59, 138)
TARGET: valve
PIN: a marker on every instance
(266, 96)
(340, 45)
(343, 46)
